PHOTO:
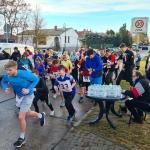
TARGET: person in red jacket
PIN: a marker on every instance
(53, 72)
(84, 77)
(140, 93)
(110, 67)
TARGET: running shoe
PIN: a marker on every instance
(19, 142)
(42, 120)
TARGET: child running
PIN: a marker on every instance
(42, 94)
(66, 84)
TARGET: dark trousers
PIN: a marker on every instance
(75, 74)
(68, 104)
(108, 77)
(148, 74)
(136, 107)
(116, 72)
(125, 75)
(42, 98)
(53, 82)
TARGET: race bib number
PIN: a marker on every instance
(65, 85)
(26, 67)
(86, 79)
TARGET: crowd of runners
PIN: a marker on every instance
(72, 72)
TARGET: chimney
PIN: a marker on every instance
(55, 27)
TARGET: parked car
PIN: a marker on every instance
(6, 49)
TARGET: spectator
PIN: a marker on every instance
(128, 62)
(147, 67)
(16, 54)
(137, 59)
(94, 65)
(26, 51)
(104, 60)
(140, 93)
(30, 55)
(110, 67)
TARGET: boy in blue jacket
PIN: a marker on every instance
(23, 83)
(95, 66)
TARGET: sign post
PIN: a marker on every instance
(139, 25)
(7, 29)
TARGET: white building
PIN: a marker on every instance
(51, 38)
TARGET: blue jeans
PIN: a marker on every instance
(96, 80)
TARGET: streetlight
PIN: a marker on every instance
(65, 36)
(5, 26)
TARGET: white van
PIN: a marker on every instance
(9, 48)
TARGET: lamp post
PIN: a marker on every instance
(65, 36)
(5, 26)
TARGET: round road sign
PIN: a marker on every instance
(139, 23)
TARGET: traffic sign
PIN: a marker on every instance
(139, 25)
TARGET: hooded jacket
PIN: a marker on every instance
(95, 64)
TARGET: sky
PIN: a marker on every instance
(95, 15)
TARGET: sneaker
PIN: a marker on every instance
(62, 104)
(42, 120)
(19, 142)
(55, 96)
(70, 120)
(52, 113)
(81, 100)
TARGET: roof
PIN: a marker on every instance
(12, 37)
(46, 32)
(83, 33)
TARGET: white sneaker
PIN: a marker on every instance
(52, 113)
(55, 96)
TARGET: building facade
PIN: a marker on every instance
(57, 38)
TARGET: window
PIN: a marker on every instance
(68, 39)
(65, 39)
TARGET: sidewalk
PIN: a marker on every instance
(82, 140)
(102, 137)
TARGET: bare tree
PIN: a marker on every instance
(16, 13)
(38, 24)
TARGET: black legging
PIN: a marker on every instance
(135, 107)
(125, 75)
(42, 98)
(108, 77)
(68, 103)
